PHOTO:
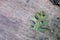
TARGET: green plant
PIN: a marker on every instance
(38, 20)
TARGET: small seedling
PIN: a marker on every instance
(38, 20)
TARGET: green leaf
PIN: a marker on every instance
(43, 30)
(33, 18)
(45, 23)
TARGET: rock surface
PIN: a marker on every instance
(15, 16)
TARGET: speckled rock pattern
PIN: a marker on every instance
(15, 16)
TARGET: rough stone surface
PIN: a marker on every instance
(15, 16)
